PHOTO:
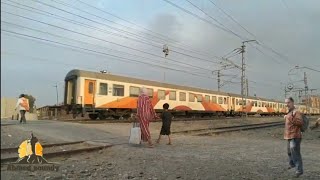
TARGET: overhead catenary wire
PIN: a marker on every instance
(225, 28)
(262, 44)
(93, 37)
(163, 40)
(200, 18)
(111, 33)
(81, 49)
(82, 42)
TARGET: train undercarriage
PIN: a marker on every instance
(119, 114)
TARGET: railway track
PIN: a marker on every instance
(219, 130)
(56, 150)
(88, 121)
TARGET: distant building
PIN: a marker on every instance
(7, 107)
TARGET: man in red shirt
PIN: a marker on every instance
(292, 133)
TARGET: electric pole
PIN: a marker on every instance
(56, 86)
(166, 53)
(243, 75)
(247, 87)
(219, 85)
(56, 109)
(305, 91)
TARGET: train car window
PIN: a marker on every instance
(134, 91)
(161, 95)
(118, 90)
(220, 100)
(172, 95)
(237, 102)
(255, 104)
(214, 99)
(207, 98)
(103, 89)
(90, 87)
(224, 100)
(199, 97)
(259, 104)
(182, 96)
(191, 97)
(150, 92)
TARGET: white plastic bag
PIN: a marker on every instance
(135, 134)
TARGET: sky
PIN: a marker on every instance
(41, 41)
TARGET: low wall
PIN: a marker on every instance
(29, 116)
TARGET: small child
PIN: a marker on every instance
(166, 117)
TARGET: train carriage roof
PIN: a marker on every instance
(98, 75)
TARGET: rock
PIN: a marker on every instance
(32, 174)
(64, 171)
(9, 135)
(178, 177)
(47, 177)
(130, 177)
(97, 164)
(84, 171)
(100, 151)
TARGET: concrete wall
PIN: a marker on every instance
(7, 107)
(7, 110)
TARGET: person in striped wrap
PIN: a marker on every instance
(145, 114)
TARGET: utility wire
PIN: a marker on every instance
(228, 30)
(189, 48)
(109, 32)
(198, 17)
(100, 53)
(80, 42)
(93, 37)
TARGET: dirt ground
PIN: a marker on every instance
(255, 154)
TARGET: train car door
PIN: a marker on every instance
(233, 104)
(89, 91)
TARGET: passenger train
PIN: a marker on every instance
(102, 95)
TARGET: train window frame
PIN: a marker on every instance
(106, 90)
(199, 98)
(214, 99)
(207, 98)
(164, 94)
(117, 86)
(182, 96)
(134, 95)
(225, 100)
(90, 88)
(175, 95)
(192, 97)
(150, 92)
(220, 100)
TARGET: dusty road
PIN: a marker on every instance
(257, 154)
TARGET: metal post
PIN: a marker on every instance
(219, 80)
(306, 90)
(56, 109)
(242, 77)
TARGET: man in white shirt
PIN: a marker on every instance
(23, 107)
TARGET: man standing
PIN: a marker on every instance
(292, 134)
(23, 107)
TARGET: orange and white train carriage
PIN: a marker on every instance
(106, 95)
